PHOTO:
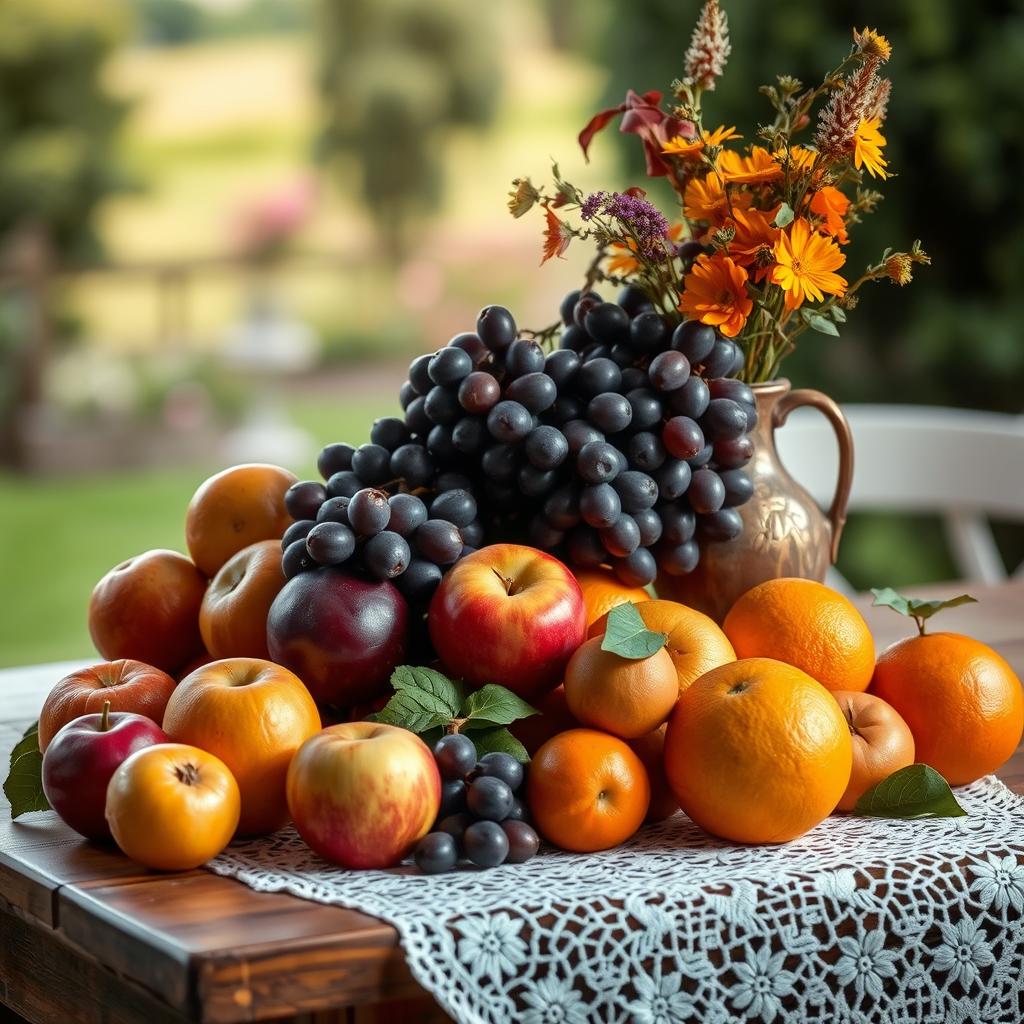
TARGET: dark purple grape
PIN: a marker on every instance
(413, 464)
(518, 812)
(546, 447)
(719, 362)
(436, 853)
(389, 432)
(724, 420)
(607, 323)
(334, 510)
(369, 511)
(343, 484)
(622, 355)
(725, 524)
(706, 492)
(502, 766)
(563, 409)
(561, 366)
(585, 303)
(689, 250)
(296, 559)
(438, 541)
(496, 328)
(595, 351)
(645, 451)
(442, 405)
(441, 445)
(739, 488)
(334, 458)
(695, 340)
(648, 333)
(733, 454)
(452, 480)
(523, 357)
(633, 299)
(622, 537)
(419, 581)
(297, 531)
(584, 547)
(372, 462)
(523, 841)
(703, 457)
(453, 798)
(673, 478)
(509, 421)
(473, 534)
(470, 435)
(634, 377)
(565, 310)
(455, 825)
(600, 505)
(562, 508)
(669, 371)
(304, 498)
(500, 463)
(691, 399)
(649, 523)
(636, 490)
(637, 569)
(541, 534)
(598, 376)
(610, 412)
(682, 437)
(458, 507)
(727, 387)
(455, 755)
(449, 366)
(646, 408)
(479, 392)
(750, 411)
(598, 462)
(574, 339)
(406, 393)
(416, 418)
(536, 391)
(534, 482)
(485, 844)
(489, 797)
(579, 433)
(419, 378)
(679, 559)
(471, 343)
(678, 524)
(386, 555)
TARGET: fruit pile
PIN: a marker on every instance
(624, 446)
(480, 818)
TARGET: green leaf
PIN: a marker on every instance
(822, 324)
(916, 608)
(499, 739)
(412, 709)
(916, 791)
(627, 636)
(24, 784)
(838, 314)
(494, 705)
(784, 216)
(434, 690)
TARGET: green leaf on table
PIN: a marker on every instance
(821, 324)
(916, 791)
(917, 608)
(24, 785)
(499, 739)
(493, 705)
(784, 216)
(628, 637)
(435, 691)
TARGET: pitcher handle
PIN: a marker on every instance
(817, 400)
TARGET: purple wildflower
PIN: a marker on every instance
(637, 216)
(592, 205)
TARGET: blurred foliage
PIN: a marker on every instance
(956, 140)
(176, 22)
(396, 76)
(57, 121)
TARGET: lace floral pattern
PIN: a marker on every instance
(860, 921)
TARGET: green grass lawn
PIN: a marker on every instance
(62, 535)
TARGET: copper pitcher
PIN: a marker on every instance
(784, 531)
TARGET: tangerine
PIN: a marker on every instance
(602, 591)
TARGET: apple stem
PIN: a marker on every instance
(105, 717)
(506, 580)
(849, 718)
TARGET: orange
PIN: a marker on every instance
(882, 742)
(253, 715)
(650, 748)
(695, 643)
(602, 591)
(757, 751)
(172, 806)
(961, 699)
(805, 624)
(233, 509)
(587, 791)
(624, 696)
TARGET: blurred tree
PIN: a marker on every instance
(396, 76)
(57, 131)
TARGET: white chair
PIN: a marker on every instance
(964, 465)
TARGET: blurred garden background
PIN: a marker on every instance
(227, 225)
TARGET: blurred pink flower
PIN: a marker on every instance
(265, 222)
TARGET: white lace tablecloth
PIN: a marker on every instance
(859, 921)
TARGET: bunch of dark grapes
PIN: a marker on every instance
(481, 819)
(623, 446)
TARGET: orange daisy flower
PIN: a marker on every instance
(557, 237)
(705, 199)
(691, 147)
(831, 205)
(715, 292)
(868, 143)
(623, 259)
(753, 245)
(805, 265)
(756, 169)
(801, 158)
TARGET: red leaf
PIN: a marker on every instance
(595, 124)
(557, 237)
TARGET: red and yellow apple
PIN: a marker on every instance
(147, 608)
(508, 614)
(362, 794)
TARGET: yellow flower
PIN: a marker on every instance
(900, 268)
(755, 169)
(691, 147)
(705, 199)
(806, 265)
(715, 292)
(868, 143)
(872, 43)
(801, 159)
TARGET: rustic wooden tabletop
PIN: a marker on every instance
(86, 935)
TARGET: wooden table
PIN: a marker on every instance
(86, 935)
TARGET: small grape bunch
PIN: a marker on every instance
(480, 819)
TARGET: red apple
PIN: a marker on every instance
(82, 757)
(340, 635)
(508, 614)
(362, 794)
